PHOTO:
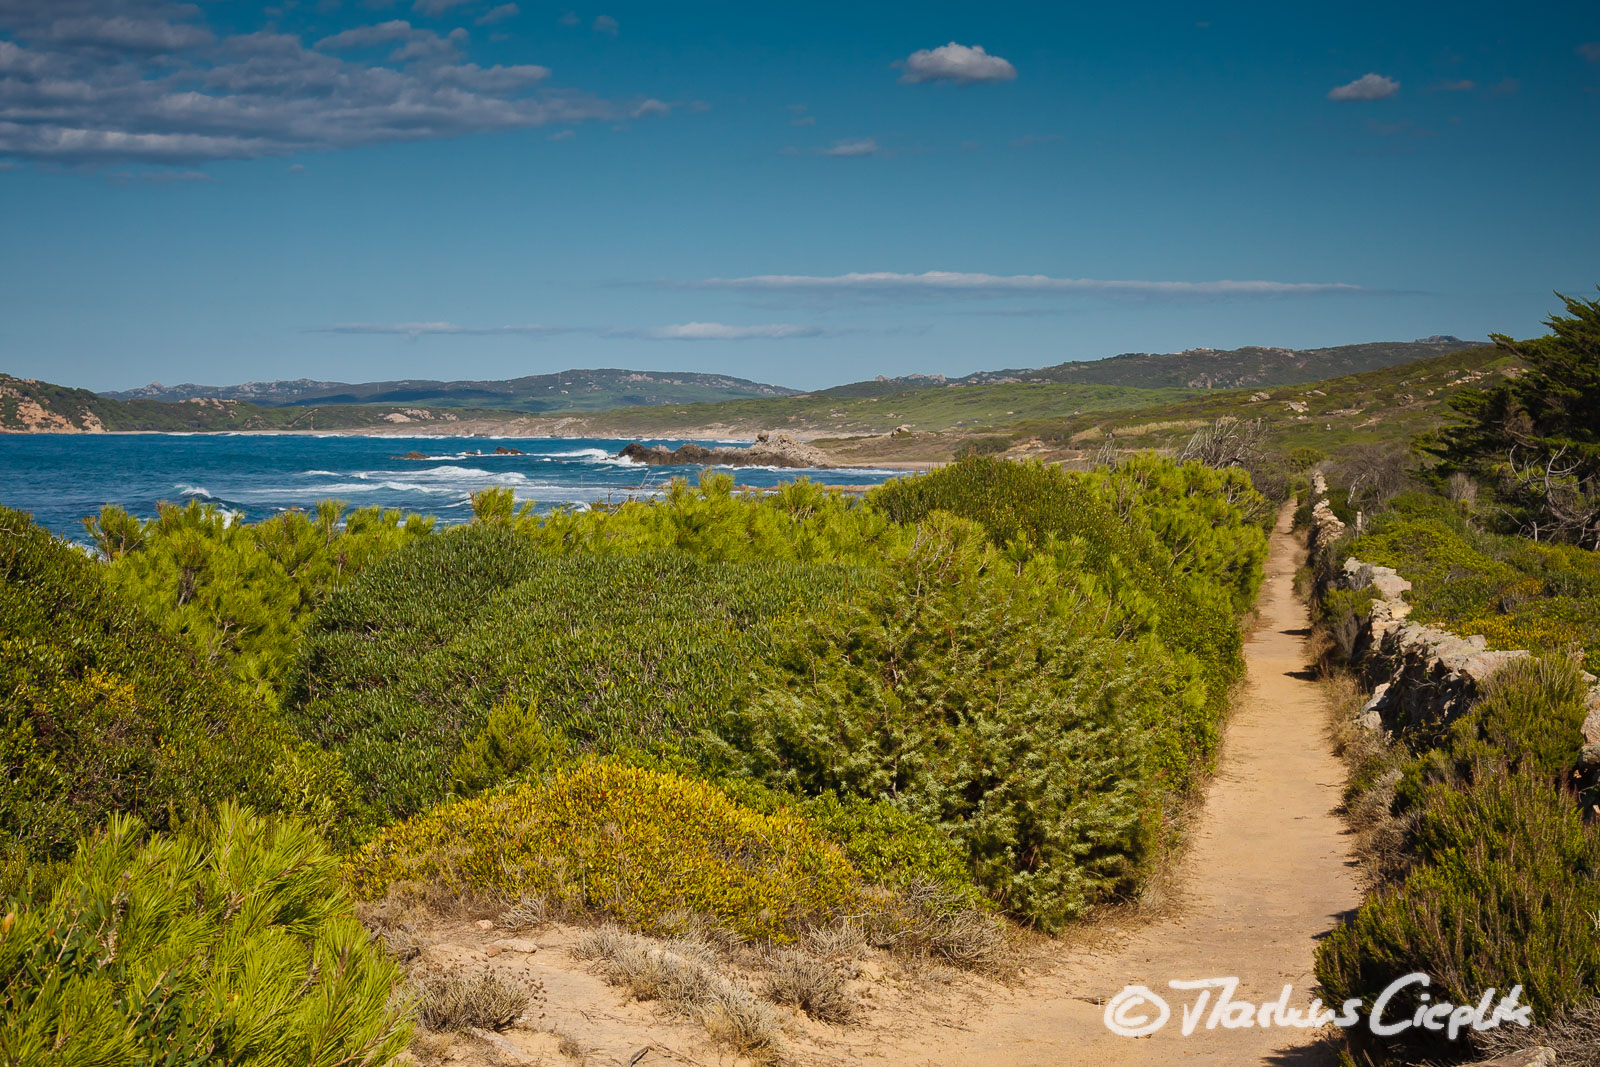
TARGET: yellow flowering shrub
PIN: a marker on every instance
(623, 842)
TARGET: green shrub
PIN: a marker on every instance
(1506, 895)
(231, 944)
(801, 522)
(971, 690)
(626, 843)
(615, 649)
(243, 593)
(101, 712)
(1529, 718)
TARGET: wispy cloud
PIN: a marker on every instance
(1465, 85)
(1366, 87)
(497, 14)
(160, 177)
(1035, 139)
(850, 149)
(683, 331)
(1589, 50)
(607, 25)
(435, 8)
(421, 329)
(721, 331)
(948, 282)
(959, 63)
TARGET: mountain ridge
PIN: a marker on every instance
(596, 389)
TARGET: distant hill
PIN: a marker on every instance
(31, 406)
(1197, 368)
(572, 390)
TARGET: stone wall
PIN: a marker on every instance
(1420, 676)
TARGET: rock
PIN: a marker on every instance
(769, 450)
(517, 944)
(413, 456)
(1538, 1056)
(484, 924)
(1591, 722)
(903, 430)
(502, 450)
(492, 951)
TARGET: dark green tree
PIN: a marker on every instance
(1536, 437)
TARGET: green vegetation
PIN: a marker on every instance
(1486, 854)
(402, 668)
(1536, 438)
(232, 943)
(1518, 593)
(984, 691)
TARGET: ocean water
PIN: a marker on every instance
(62, 478)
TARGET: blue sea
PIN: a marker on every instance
(62, 478)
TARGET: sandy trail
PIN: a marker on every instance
(1267, 873)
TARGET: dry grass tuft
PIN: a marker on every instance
(1373, 768)
(455, 1000)
(1575, 1037)
(681, 976)
(817, 987)
(525, 914)
(923, 921)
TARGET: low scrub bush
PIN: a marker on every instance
(595, 650)
(815, 986)
(1505, 894)
(233, 943)
(623, 842)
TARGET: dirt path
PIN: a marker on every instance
(1267, 874)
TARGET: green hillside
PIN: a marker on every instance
(30, 406)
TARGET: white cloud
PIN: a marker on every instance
(367, 36)
(862, 146)
(936, 281)
(498, 14)
(652, 106)
(569, 19)
(250, 95)
(1465, 85)
(495, 79)
(606, 24)
(128, 32)
(1366, 87)
(562, 135)
(804, 120)
(959, 63)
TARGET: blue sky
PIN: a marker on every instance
(802, 194)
